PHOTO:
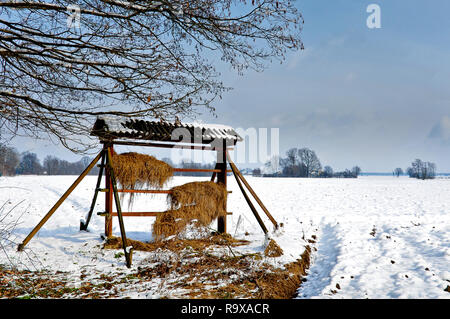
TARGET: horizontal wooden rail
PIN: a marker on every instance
(143, 191)
(136, 214)
(171, 145)
(212, 170)
(144, 214)
(199, 170)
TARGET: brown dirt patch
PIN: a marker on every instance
(176, 244)
(202, 273)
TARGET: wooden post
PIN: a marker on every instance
(222, 178)
(84, 225)
(128, 251)
(108, 197)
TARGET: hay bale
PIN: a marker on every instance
(137, 171)
(200, 201)
(273, 250)
(170, 222)
(208, 199)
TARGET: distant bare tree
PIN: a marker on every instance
(398, 171)
(64, 62)
(29, 164)
(310, 161)
(416, 168)
(256, 172)
(356, 170)
(422, 170)
(328, 171)
(51, 165)
(9, 160)
(273, 166)
(292, 157)
(430, 170)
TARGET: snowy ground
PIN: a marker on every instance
(377, 237)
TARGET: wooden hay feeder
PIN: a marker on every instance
(113, 131)
(135, 173)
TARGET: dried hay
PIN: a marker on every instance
(170, 222)
(208, 198)
(247, 276)
(200, 201)
(176, 245)
(283, 284)
(273, 250)
(137, 171)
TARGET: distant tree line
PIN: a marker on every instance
(297, 163)
(418, 169)
(422, 170)
(55, 166)
(303, 162)
(28, 163)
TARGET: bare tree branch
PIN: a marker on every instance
(128, 58)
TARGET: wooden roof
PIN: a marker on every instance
(113, 128)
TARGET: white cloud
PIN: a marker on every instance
(441, 130)
(297, 57)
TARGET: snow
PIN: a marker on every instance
(377, 237)
(117, 125)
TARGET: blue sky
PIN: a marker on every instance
(378, 98)
(374, 97)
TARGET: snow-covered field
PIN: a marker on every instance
(377, 237)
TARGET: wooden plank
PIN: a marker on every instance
(249, 202)
(108, 201)
(238, 174)
(143, 191)
(144, 214)
(196, 170)
(128, 252)
(200, 170)
(84, 225)
(221, 165)
(137, 214)
(171, 145)
(213, 170)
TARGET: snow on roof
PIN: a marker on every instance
(109, 127)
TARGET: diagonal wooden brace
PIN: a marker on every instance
(84, 225)
(59, 202)
(238, 173)
(249, 202)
